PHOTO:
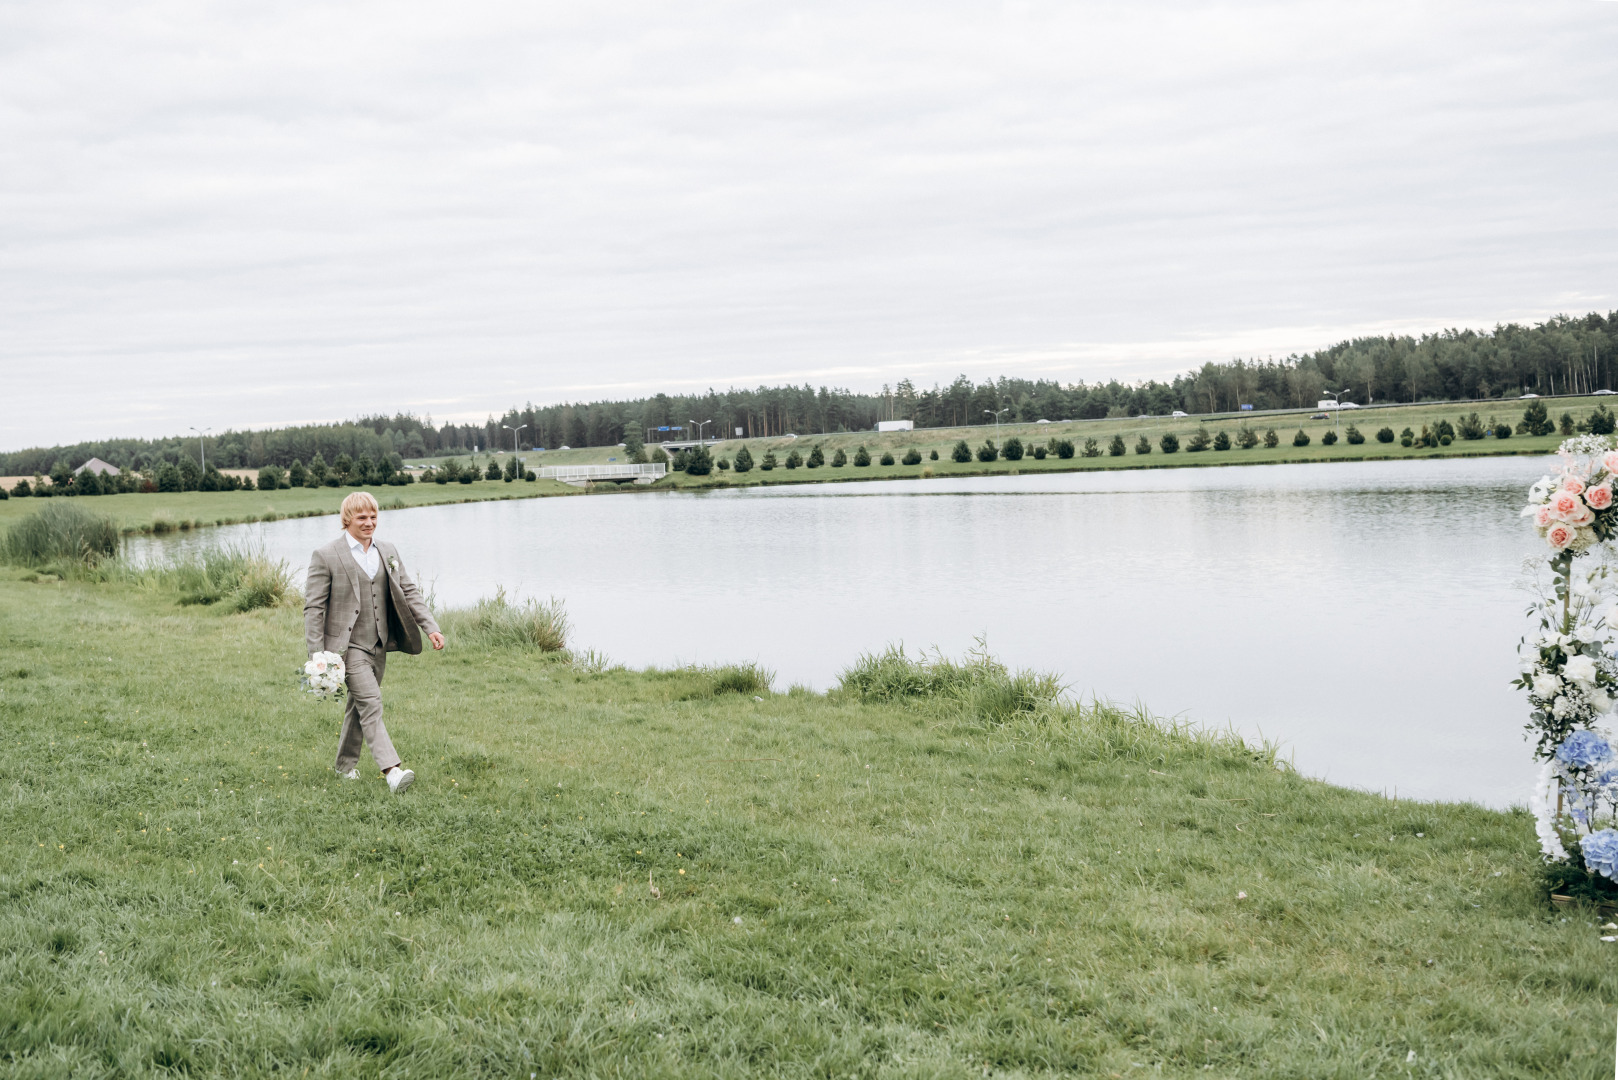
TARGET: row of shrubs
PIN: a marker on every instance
(697, 461)
(453, 472)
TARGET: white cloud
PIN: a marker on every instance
(230, 216)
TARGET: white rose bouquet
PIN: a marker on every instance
(325, 675)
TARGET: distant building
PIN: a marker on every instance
(896, 425)
(95, 464)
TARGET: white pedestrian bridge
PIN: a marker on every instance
(583, 475)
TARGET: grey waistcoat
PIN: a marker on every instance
(370, 629)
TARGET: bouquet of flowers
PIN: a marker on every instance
(1574, 509)
(325, 675)
(1569, 667)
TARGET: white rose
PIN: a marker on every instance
(1599, 701)
(1580, 669)
(1585, 632)
(1547, 686)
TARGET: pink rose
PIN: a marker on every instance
(1599, 497)
(1609, 461)
(1583, 516)
(1542, 516)
(1559, 536)
(1564, 503)
(1573, 484)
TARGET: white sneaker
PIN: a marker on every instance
(352, 774)
(399, 779)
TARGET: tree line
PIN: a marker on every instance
(1561, 355)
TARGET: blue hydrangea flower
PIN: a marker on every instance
(1583, 749)
(1601, 853)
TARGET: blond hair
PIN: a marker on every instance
(360, 500)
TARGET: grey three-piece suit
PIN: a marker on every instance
(362, 620)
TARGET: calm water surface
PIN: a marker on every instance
(1361, 614)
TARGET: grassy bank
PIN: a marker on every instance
(893, 885)
(942, 441)
(170, 511)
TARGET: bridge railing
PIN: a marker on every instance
(575, 474)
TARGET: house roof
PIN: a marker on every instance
(99, 466)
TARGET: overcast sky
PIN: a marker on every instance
(237, 215)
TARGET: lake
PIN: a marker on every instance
(1362, 614)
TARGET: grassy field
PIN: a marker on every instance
(843, 888)
(195, 509)
(943, 440)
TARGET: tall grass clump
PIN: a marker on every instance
(701, 682)
(61, 532)
(240, 578)
(980, 685)
(499, 621)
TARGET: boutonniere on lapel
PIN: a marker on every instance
(393, 563)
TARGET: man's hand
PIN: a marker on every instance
(437, 639)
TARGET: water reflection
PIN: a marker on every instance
(1360, 613)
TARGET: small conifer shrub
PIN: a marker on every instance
(1301, 438)
(1116, 447)
(912, 456)
(839, 459)
(862, 458)
(932, 455)
(817, 458)
(988, 451)
(1384, 435)
(744, 460)
(1221, 441)
(962, 452)
(1170, 442)
(769, 461)
(1091, 448)
(886, 458)
(1198, 441)
(1328, 439)
(794, 459)
(1144, 446)
(1271, 439)
(1246, 438)
(1353, 435)
(1040, 453)
(1012, 451)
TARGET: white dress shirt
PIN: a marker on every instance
(368, 558)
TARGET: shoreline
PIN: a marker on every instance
(169, 512)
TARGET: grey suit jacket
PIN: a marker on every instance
(332, 600)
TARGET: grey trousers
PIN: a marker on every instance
(362, 715)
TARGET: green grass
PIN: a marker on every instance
(172, 511)
(186, 889)
(943, 441)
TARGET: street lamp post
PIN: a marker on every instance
(700, 426)
(202, 447)
(514, 431)
(1337, 397)
(996, 415)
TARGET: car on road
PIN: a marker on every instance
(1320, 416)
(1603, 393)
(1177, 413)
(1525, 397)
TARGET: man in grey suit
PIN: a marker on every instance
(362, 605)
